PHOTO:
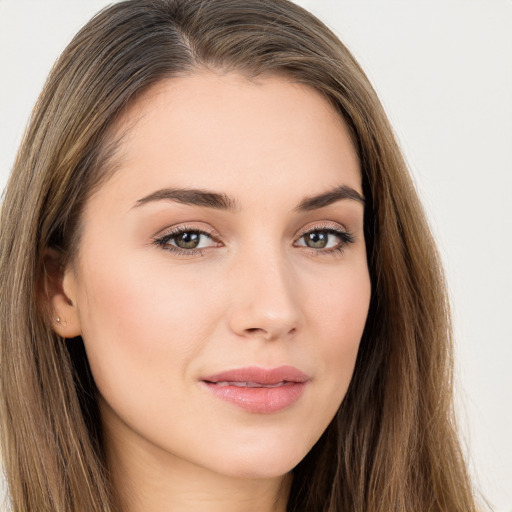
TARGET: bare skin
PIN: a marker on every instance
(171, 286)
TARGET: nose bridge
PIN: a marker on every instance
(264, 299)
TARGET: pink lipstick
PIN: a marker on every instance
(259, 390)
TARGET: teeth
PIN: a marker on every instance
(249, 384)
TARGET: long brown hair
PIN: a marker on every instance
(392, 445)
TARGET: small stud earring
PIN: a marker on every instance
(58, 320)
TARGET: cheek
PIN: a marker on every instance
(136, 321)
(338, 314)
(129, 296)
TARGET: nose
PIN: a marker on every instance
(265, 302)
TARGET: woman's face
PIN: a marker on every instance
(221, 285)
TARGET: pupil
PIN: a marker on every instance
(317, 240)
(188, 240)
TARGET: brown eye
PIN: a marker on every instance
(325, 240)
(317, 239)
(187, 240)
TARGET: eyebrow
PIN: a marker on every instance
(220, 201)
(327, 198)
(192, 196)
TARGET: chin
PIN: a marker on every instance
(267, 462)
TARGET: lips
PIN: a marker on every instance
(249, 384)
(259, 390)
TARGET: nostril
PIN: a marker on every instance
(256, 331)
(258, 316)
(266, 333)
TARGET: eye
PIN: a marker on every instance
(325, 239)
(189, 240)
(186, 241)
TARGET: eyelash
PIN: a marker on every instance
(164, 240)
(344, 236)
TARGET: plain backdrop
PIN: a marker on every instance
(443, 70)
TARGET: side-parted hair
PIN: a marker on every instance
(392, 445)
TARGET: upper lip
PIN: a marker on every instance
(258, 375)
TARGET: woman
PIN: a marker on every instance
(219, 291)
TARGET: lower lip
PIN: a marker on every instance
(259, 400)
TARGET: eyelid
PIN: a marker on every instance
(179, 228)
(322, 225)
(162, 237)
(346, 237)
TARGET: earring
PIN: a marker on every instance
(58, 319)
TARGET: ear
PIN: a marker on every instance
(59, 295)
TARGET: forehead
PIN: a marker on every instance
(224, 131)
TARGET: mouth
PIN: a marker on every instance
(259, 390)
(249, 384)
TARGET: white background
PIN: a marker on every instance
(443, 70)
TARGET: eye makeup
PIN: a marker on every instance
(325, 239)
(319, 239)
(187, 240)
